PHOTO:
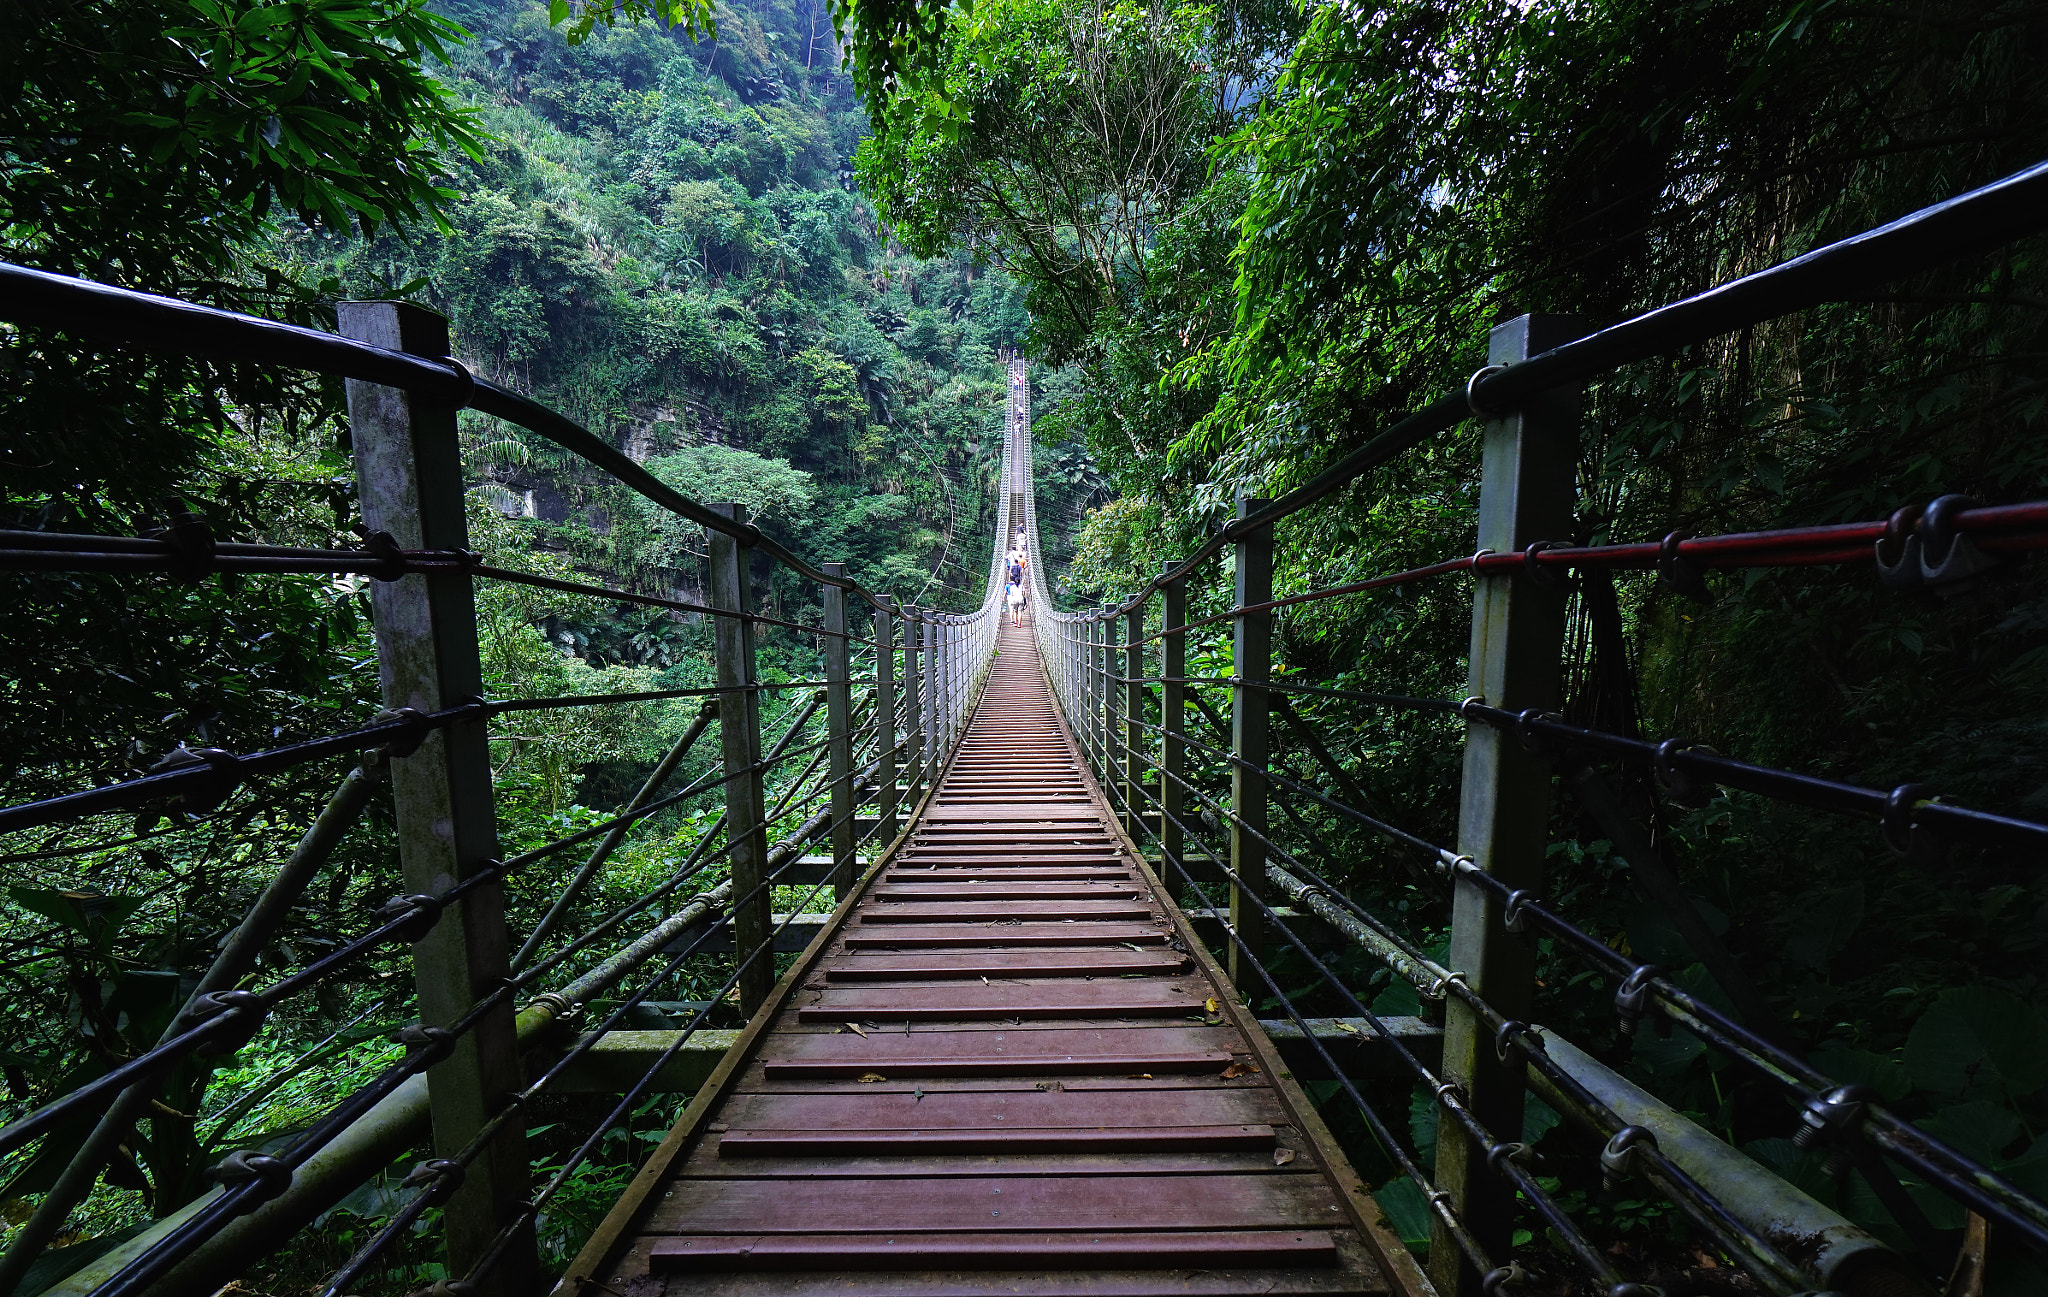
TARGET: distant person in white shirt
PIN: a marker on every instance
(1015, 598)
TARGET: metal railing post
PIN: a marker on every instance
(839, 730)
(934, 670)
(409, 481)
(1092, 694)
(1134, 712)
(886, 793)
(913, 710)
(1105, 699)
(1173, 664)
(739, 731)
(1251, 665)
(1526, 495)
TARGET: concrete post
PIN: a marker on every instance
(409, 481)
(739, 729)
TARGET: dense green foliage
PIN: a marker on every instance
(655, 236)
(1312, 232)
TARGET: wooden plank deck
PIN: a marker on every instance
(1005, 1067)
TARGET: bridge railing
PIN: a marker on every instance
(1219, 798)
(897, 686)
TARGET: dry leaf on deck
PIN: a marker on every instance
(1139, 1076)
(1282, 1156)
(869, 1078)
(1236, 1070)
(856, 1029)
(1212, 1005)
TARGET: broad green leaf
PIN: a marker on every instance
(1976, 1036)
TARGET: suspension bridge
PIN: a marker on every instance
(1024, 1053)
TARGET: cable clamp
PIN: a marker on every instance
(1947, 556)
(208, 793)
(1503, 1278)
(1437, 987)
(1900, 833)
(1525, 730)
(1546, 576)
(1679, 574)
(417, 726)
(1473, 562)
(1897, 551)
(425, 1046)
(1511, 916)
(1516, 1152)
(1471, 700)
(415, 915)
(1618, 1159)
(383, 546)
(236, 1015)
(1632, 997)
(1826, 1120)
(444, 1175)
(463, 394)
(190, 540)
(1449, 1088)
(1472, 390)
(1679, 786)
(1635, 1290)
(1507, 1036)
(246, 1166)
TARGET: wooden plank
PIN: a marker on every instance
(1353, 1276)
(936, 1065)
(770, 1252)
(999, 964)
(925, 1143)
(1049, 998)
(1008, 872)
(997, 1204)
(896, 891)
(706, 1162)
(1026, 812)
(1033, 911)
(909, 936)
(792, 1041)
(984, 1110)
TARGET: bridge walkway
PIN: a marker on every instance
(1005, 1067)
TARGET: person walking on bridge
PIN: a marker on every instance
(1014, 596)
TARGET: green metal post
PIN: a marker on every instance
(885, 726)
(839, 731)
(1173, 664)
(1529, 460)
(1251, 666)
(1134, 713)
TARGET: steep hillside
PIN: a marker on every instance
(662, 239)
